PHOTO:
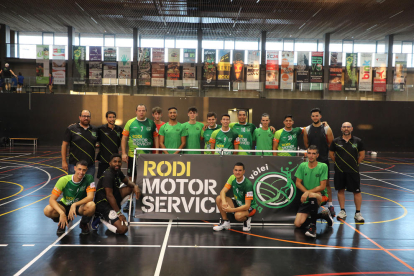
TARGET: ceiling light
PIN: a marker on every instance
(397, 14)
(257, 1)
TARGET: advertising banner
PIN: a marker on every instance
(286, 71)
(365, 72)
(183, 186)
(189, 55)
(400, 72)
(335, 72)
(124, 72)
(109, 53)
(158, 55)
(188, 74)
(144, 66)
(223, 67)
(253, 57)
(59, 72)
(316, 72)
(238, 65)
(209, 75)
(380, 79)
(95, 53)
(173, 68)
(174, 55)
(59, 52)
(95, 72)
(124, 53)
(351, 74)
(158, 72)
(79, 56)
(302, 73)
(109, 71)
(272, 70)
(42, 64)
(253, 77)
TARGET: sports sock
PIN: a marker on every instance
(109, 226)
(329, 204)
(343, 210)
(357, 211)
(314, 209)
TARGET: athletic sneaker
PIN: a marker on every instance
(342, 214)
(60, 231)
(224, 225)
(96, 221)
(311, 231)
(331, 209)
(246, 225)
(85, 228)
(326, 215)
(358, 217)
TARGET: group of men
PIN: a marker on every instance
(237, 138)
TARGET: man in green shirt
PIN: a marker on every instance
(243, 205)
(77, 192)
(245, 131)
(194, 130)
(209, 129)
(173, 135)
(287, 138)
(311, 180)
(263, 136)
(225, 137)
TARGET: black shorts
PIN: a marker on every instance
(349, 181)
(67, 209)
(130, 166)
(251, 210)
(105, 212)
(306, 207)
(101, 168)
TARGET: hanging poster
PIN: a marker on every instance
(365, 72)
(302, 73)
(316, 72)
(400, 73)
(238, 65)
(272, 70)
(253, 76)
(95, 53)
(209, 75)
(173, 55)
(95, 72)
(189, 55)
(158, 55)
(79, 73)
(124, 73)
(59, 71)
(109, 53)
(335, 72)
(124, 53)
(380, 79)
(42, 64)
(286, 71)
(144, 66)
(188, 74)
(223, 67)
(351, 74)
(173, 67)
(109, 70)
(158, 71)
(58, 52)
(253, 57)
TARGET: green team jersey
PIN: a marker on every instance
(245, 133)
(224, 140)
(242, 191)
(194, 137)
(206, 134)
(264, 140)
(141, 135)
(312, 178)
(288, 140)
(172, 135)
(73, 191)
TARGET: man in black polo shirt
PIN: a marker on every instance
(81, 138)
(347, 152)
(110, 196)
(109, 139)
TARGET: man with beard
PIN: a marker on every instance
(225, 137)
(287, 138)
(173, 135)
(110, 196)
(245, 131)
(348, 151)
(207, 131)
(320, 135)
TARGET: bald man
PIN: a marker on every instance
(347, 152)
(81, 138)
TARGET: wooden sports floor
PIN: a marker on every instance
(383, 245)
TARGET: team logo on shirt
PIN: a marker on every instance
(148, 128)
(93, 133)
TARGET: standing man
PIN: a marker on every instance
(263, 136)
(157, 114)
(51, 82)
(287, 138)
(321, 136)
(211, 127)
(7, 76)
(245, 131)
(311, 179)
(81, 138)
(173, 135)
(109, 140)
(140, 132)
(243, 205)
(225, 137)
(194, 130)
(347, 152)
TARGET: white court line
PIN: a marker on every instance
(3, 244)
(253, 247)
(28, 245)
(102, 245)
(45, 251)
(155, 223)
(15, 156)
(387, 170)
(164, 247)
(387, 183)
(384, 179)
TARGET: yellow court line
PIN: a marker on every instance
(23, 206)
(21, 189)
(41, 164)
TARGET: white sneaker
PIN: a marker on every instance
(246, 225)
(342, 214)
(224, 225)
(358, 217)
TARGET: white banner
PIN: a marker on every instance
(253, 57)
(286, 71)
(58, 52)
(253, 75)
(42, 64)
(59, 71)
(365, 72)
(188, 74)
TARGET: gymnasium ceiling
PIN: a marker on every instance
(302, 19)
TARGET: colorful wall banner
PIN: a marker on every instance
(79, 56)
(42, 64)
(380, 79)
(173, 68)
(109, 53)
(253, 77)
(272, 70)
(124, 72)
(109, 70)
(144, 66)
(95, 72)
(351, 74)
(158, 72)
(158, 55)
(209, 75)
(188, 74)
(238, 65)
(400, 72)
(223, 67)
(316, 72)
(335, 72)
(253, 57)
(124, 54)
(59, 72)
(59, 52)
(95, 53)
(174, 55)
(365, 72)
(189, 55)
(286, 71)
(302, 72)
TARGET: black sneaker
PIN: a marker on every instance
(311, 231)
(332, 210)
(85, 228)
(326, 215)
(60, 231)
